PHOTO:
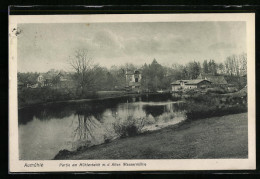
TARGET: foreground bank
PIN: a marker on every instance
(216, 137)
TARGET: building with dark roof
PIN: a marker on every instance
(190, 84)
(217, 80)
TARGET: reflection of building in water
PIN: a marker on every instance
(133, 80)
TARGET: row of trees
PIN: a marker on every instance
(234, 65)
(154, 76)
(92, 77)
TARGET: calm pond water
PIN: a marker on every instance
(45, 130)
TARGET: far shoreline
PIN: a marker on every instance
(122, 96)
(89, 99)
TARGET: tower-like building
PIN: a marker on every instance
(133, 80)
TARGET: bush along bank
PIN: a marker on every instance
(211, 105)
(34, 96)
(31, 96)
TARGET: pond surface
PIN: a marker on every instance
(45, 130)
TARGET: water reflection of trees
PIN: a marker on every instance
(60, 111)
(87, 125)
(94, 108)
(89, 129)
(154, 110)
(44, 112)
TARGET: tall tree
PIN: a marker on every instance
(193, 69)
(243, 63)
(153, 75)
(205, 66)
(84, 68)
(221, 68)
(212, 67)
(236, 64)
(233, 65)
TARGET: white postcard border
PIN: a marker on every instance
(16, 165)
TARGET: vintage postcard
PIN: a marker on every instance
(132, 92)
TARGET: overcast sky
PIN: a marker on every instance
(45, 46)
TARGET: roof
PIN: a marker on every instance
(177, 82)
(197, 81)
(189, 82)
(216, 79)
(137, 72)
(53, 74)
(130, 72)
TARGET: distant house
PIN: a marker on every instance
(62, 76)
(217, 80)
(64, 80)
(53, 79)
(43, 80)
(47, 82)
(133, 80)
(40, 80)
(190, 84)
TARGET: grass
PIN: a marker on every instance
(216, 137)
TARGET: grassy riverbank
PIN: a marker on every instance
(216, 137)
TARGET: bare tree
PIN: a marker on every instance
(236, 64)
(83, 65)
(243, 63)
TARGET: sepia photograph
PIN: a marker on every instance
(126, 91)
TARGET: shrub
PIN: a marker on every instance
(210, 105)
(28, 96)
(217, 90)
(200, 111)
(128, 127)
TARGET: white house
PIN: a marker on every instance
(133, 80)
(190, 84)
